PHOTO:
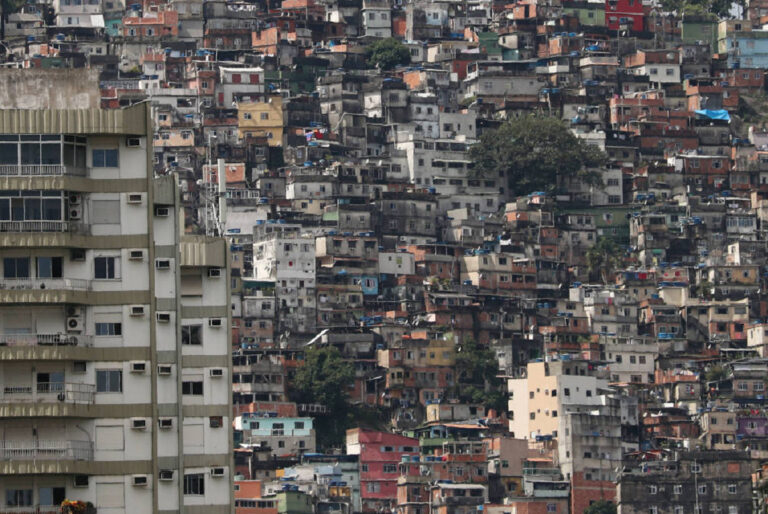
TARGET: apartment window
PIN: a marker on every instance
(389, 468)
(109, 381)
(106, 268)
(702, 489)
(193, 388)
(247, 116)
(109, 329)
(732, 489)
(49, 267)
(653, 509)
(18, 498)
(31, 205)
(652, 489)
(194, 484)
(264, 116)
(695, 467)
(105, 158)
(733, 509)
(678, 489)
(373, 487)
(364, 468)
(192, 334)
(567, 391)
(551, 507)
(16, 267)
(678, 509)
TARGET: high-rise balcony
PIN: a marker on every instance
(37, 226)
(36, 509)
(40, 170)
(27, 340)
(48, 392)
(44, 283)
(15, 450)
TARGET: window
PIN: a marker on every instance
(652, 489)
(192, 334)
(106, 268)
(678, 489)
(695, 467)
(389, 468)
(732, 489)
(194, 388)
(364, 468)
(264, 116)
(551, 507)
(194, 484)
(109, 381)
(109, 329)
(733, 509)
(373, 487)
(16, 267)
(18, 497)
(106, 158)
(49, 267)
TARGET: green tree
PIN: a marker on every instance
(476, 376)
(324, 378)
(532, 152)
(604, 258)
(385, 54)
(715, 373)
(601, 507)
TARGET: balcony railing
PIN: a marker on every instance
(34, 226)
(45, 340)
(38, 509)
(39, 170)
(44, 283)
(46, 450)
(49, 392)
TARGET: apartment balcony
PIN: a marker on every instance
(10, 284)
(40, 170)
(39, 509)
(36, 226)
(48, 392)
(27, 340)
(16, 450)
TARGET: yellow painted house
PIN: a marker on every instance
(261, 119)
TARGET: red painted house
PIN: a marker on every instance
(380, 454)
(629, 12)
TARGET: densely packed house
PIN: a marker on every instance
(592, 344)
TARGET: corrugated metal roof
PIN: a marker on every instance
(128, 121)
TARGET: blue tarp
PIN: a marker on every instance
(720, 114)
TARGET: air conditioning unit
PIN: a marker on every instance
(134, 142)
(165, 423)
(74, 311)
(139, 423)
(80, 481)
(77, 254)
(215, 323)
(75, 324)
(75, 212)
(136, 255)
(137, 310)
(163, 264)
(164, 369)
(138, 367)
(216, 372)
(163, 317)
(165, 475)
(79, 367)
(217, 472)
(162, 211)
(135, 198)
(75, 199)
(140, 480)
(214, 272)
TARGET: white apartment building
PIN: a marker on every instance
(115, 364)
(283, 254)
